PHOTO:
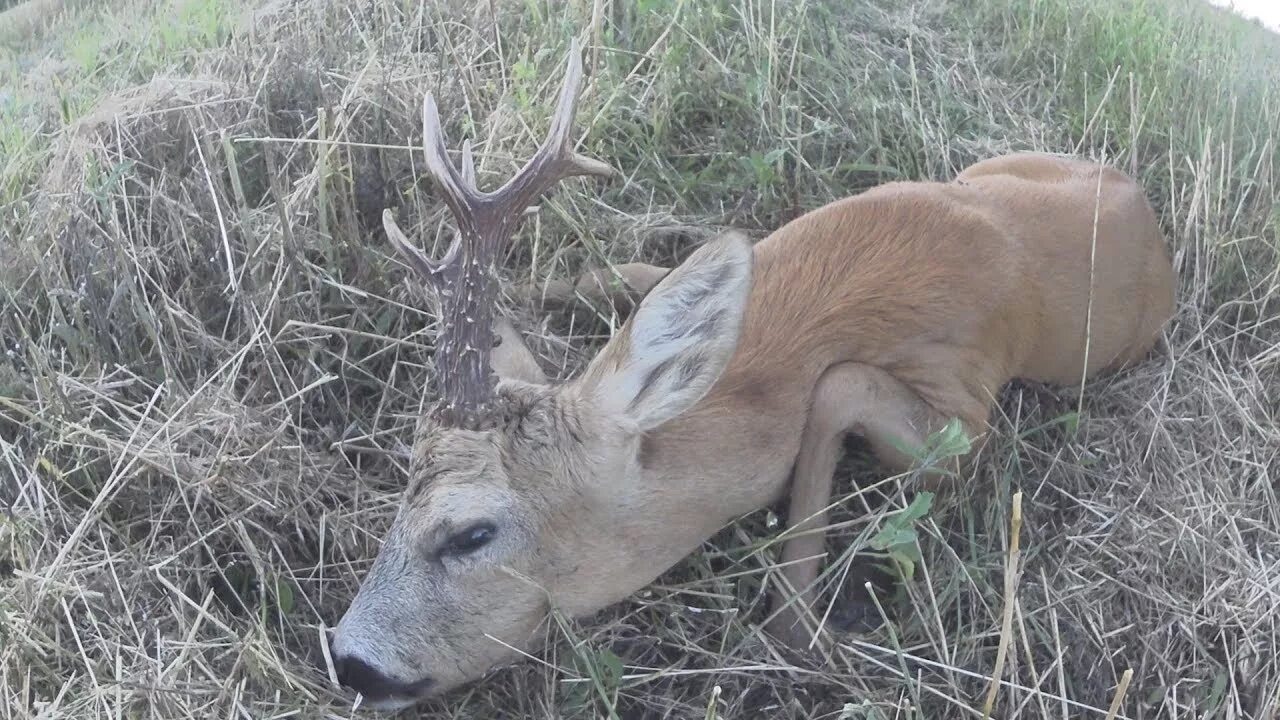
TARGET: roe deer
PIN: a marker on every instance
(886, 314)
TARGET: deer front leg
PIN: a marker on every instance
(848, 398)
(619, 287)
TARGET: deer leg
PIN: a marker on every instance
(619, 288)
(794, 595)
(622, 286)
(848, 398)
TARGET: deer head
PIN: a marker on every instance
(525, 495)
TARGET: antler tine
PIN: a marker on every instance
(555, 159)
(468, 164)
(460, 194)
(460, 191)
(415, 257)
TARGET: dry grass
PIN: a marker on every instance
(212, 359)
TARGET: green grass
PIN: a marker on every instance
(211, 359)
(1186, 98)
(53, 81)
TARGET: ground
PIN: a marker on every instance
(212, 358)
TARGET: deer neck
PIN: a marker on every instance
(733, 452)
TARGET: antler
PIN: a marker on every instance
(465, 279)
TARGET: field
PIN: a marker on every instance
(212, 359)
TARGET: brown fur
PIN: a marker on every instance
(951, 288)
(957, 288)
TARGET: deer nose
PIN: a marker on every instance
(374, 684)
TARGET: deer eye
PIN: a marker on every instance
(469, 540)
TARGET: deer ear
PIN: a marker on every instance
(676, 344)
(512, 359)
